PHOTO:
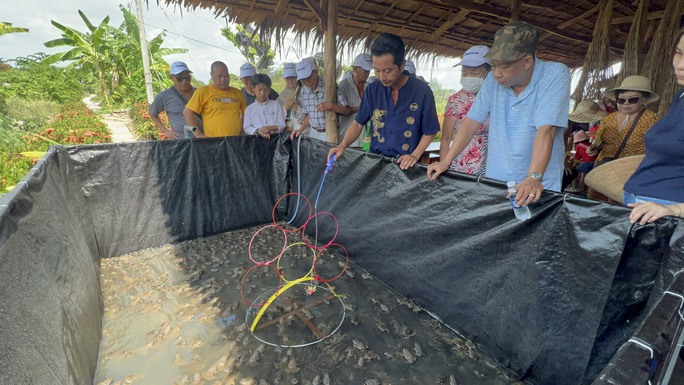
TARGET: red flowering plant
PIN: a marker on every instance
(74, 124)
(143, 124)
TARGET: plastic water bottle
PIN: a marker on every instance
(521, 212)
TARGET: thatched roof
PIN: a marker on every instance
(442, 27)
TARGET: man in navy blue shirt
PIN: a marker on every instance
(400, 107)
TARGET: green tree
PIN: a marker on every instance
(7, 28)
(112, 55)
(88, 50)
(258, 52)
(31, 78)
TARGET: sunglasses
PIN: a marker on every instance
(633, 100)
(183, 78)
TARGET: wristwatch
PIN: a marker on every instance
(535, 175)
(190, 128)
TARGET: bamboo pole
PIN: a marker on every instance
(330, 56)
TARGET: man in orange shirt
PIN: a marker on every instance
(222, 107)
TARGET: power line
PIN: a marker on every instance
(193, 39)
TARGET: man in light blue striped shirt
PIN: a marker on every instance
(526, 101)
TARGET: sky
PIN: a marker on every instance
(196, 30)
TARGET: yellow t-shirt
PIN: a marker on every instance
(221, 110)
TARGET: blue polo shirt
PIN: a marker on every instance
(661, 173)
(514, 121)
(396, 130)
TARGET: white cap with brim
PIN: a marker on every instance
(364, 61)
(305, 68)
(178, 67)
(289, 70)
(475, 57)
(410, 67)
(247, 70)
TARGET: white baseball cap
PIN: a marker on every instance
(475, 57)
(178, 67)
(305, 68)
(364, 61)
(289, 70)
(410, 67)
(247, 70)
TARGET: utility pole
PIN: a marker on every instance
(145, 52)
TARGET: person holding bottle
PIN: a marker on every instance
(474, 67)
(526, 101)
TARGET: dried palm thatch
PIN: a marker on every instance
(435, 27)
(631, 63)
(658, 61)
(596, 66)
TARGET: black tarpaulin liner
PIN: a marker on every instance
(547, 298)
(654, 341)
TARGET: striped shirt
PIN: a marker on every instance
(514, 121)
(310, 99)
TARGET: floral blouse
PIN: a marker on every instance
(473, 158)
(612, 138)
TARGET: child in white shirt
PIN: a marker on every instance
(263, 117)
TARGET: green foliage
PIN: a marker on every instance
(144, 126)
(13, 167)
(441, 95)
(7, 28)
(258, 52)
(74, 124)
(30, 114)
(112, 58)
(31, 79)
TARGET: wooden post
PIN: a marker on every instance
(145, 53)
(330, 58)
(515, 10)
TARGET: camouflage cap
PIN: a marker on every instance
(513, 41)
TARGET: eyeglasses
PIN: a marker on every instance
(183, 78)
(633, 100)
(505, 66)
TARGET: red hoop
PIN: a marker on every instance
(315, 273)
(337, 228)
(275, 206)
(249, 250)
(242, 284)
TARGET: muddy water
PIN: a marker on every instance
(178, 314)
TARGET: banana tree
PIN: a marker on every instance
(6, 28)
(89, 51)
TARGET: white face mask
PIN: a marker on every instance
(471, 84)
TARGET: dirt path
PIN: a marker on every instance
(118, 122)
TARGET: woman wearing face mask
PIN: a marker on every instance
(474, 68)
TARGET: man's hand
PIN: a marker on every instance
(337, 151)
(199, 134)
(407, 161)
(169, 134)
(648, 212)
(295, 134)
(435, 170)
(529, 190)
(289, 104)
(325, 106)
(568, 166)
(264, 133)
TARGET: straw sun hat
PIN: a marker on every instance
(587, 111)
(634, 83)
(609, 178)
